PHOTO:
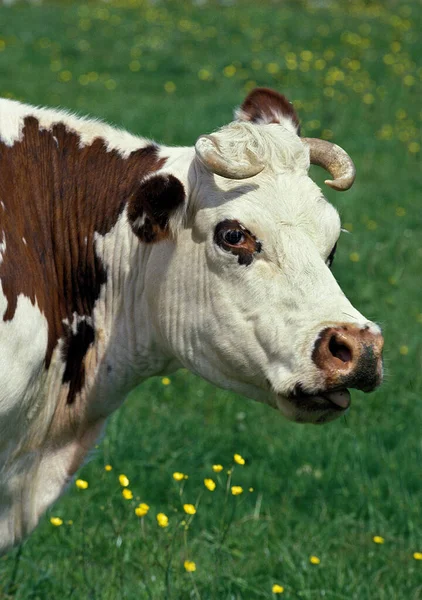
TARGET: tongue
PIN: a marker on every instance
(341, 398)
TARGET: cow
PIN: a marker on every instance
(121, 259)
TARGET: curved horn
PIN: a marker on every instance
(208, 152)
(333, 159)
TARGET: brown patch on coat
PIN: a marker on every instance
(264, 105)
(245, 249)
(150, 208)
(57, 195)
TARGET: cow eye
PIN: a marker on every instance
(330, 258)
(233, 237)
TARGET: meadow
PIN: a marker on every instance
(317, 512)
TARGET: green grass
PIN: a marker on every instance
(323, 491)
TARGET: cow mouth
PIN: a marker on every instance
(332, 400)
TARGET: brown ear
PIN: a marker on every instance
(266, 106)
(150, 209)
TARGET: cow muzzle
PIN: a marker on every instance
(349, 357)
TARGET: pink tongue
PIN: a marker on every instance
(341, 398)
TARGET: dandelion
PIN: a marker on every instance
(277, 589)
(190, 566)
(229, 71)
(210, 484)
(162, 520)
(217, 468)
(417, 555)
(123, 480)
(141, 510)
(170, 87)
(127, 494)
(314, 560)
(189, 509)
(404, 350)
(56, 521)
(81, 484)
(377, 539)
(166, 381)
(178, 476)
(239, 459)
(237, 490)
(251, 489)
(354, 257)
(108, 468)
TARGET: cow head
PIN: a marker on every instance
(248, 300)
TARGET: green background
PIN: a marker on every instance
(172, 71)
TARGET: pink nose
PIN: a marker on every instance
(349, 356)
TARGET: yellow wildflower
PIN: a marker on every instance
(217, 468)
(56, 521)
(237, 490)
(417, 555)
(377, 539)
(108, 468)
(123, 480)
(178, 476)
(190, 566)
(251, 489)
(170, 87)
(166, 381)
(239, 459)
(189, 509)
(314, 560)
(81, 484)
(277, 589)
(141, 510)
(354, 257)
(209, 484)
(404, 350)
(162, 520)
(127, 494)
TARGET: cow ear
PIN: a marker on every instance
(264, 106)
(151, 207)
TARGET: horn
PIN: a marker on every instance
(208, 152)
(333, 159)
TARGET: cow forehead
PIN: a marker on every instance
(273, 202)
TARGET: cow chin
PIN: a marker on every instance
(314, 408)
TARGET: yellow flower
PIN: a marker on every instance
(209, 484)
(56, 521)
(81, 484)
(277, 589)
(190, 566)
(123, 480)
(108, 468)
(314, 560)
(141, 510)
(229, 71)
(127, 494)
(417, 555)
(378, 539)
(251, 489)
(239, 459)
(170, 87)
(189, 509)
(237, 490)
(354, 257)
(178, 476)
(404, 350)
(166, 381)
(217, 468)
(162, 520)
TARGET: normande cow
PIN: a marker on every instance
(121, 259)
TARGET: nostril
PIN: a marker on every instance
(339, 350)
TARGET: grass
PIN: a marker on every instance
(172, 71)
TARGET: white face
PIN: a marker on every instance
(249, 300)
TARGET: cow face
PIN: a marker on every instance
(262, 312)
